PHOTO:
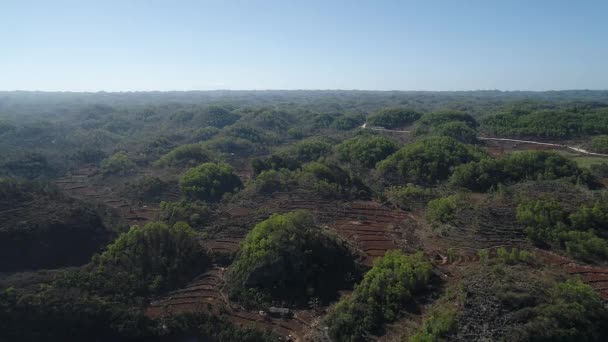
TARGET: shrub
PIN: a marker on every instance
(287, 257)
(457, 130)
(230, 145)
(573, 313)
(189, 154)
(384, 291)
(431, 121)
(349, 121)
(152, 259)
(206, 133)
(270, 181)
(547, 222)
(147, 188)
(600, 144)
(118, 163)
(409, 196)
(218, 117)
(274, 162)
(366, 150)
(430, 160)
(193, 212)
(308, 150)
(393, 117)
(530, 165)
(443, 210)
(209, 181)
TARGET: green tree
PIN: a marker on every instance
(209, 181)
(366, 150)
(393, 117)
(378, 299)
(430, 160)
(288, 257)
(118, 163)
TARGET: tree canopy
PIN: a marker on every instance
(393, 117)
(530, 165)
(366, 150)
(287, 257)
(431, 159)
(209, 181)
(378, 299)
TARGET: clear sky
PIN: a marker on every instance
(121, 45)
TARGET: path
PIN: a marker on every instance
(573, 148)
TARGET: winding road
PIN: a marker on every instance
(573, 148)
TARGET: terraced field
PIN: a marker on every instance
(595, 276)
(204, 294)
(373, 228)
(81, 184)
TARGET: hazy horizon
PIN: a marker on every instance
(118, 46)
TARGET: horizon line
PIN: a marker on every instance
(295, 90)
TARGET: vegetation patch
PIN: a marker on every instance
(287, 258)
(430, 160)
(393, 117)
(381, 295)
(209, 181)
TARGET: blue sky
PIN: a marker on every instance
(377, 45)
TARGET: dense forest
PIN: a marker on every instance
(304, 216)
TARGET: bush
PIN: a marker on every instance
(547, 124)
(146, 189)
(151, 259)
(118, 163)
(457, 130)
(206, 133)
(271, 181)
(274, 162)
(209, 181)
(443, 210)
(431, 121)
(574, 312)
(393, 117)
(230, 145)
(366, 150)
(287, 257)
(184, 155)
(193, 212)
(516, 167)
(547, 222)
(430, 160)
(378, 299)
(409, 196)
(348, 121)
(218, 117)
(600, 144)
(308, 150)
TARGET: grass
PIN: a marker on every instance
(583, 161)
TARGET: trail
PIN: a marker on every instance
(573, 148)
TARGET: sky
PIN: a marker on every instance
(131, 45)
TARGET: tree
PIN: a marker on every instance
(287, 257)
(152, 259)
(530, 165)
(457, 130)
(429, 122)
(380, 296)
(430, 160)
(187, 154)
(118, 163)
(599, 144)
(366, 150)
(393, 117)
(209, 181)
